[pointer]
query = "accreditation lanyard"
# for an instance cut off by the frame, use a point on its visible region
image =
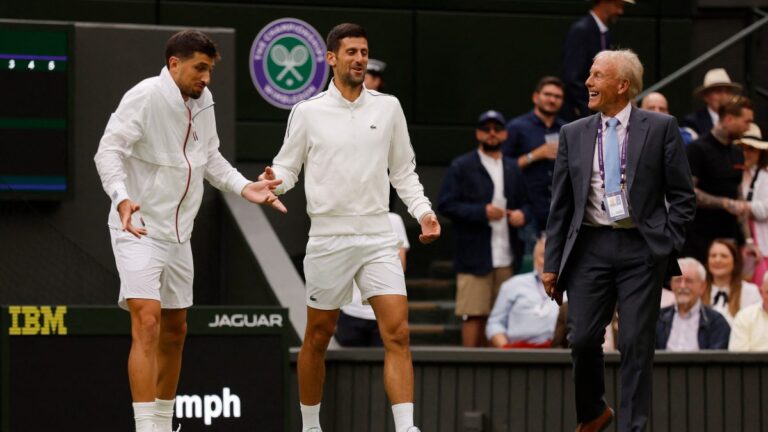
(601, 162)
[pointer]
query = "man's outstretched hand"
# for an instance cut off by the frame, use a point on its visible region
(126, 209)
(550, 286)
(261, 192)
(430, 229)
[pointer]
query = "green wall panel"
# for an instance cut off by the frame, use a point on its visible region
(643, 8)
(259, 140)
(675, 52)
(136, 11)
(469, 63)
(390, 39)
(438, 145)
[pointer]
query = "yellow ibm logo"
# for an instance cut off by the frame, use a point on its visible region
(33, 320)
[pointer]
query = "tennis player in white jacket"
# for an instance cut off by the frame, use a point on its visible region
(347, 138)
(157, 147)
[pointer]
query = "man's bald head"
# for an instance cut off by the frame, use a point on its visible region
(655, 102)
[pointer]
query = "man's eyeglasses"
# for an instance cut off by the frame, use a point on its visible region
(491, 128)
(552, 95)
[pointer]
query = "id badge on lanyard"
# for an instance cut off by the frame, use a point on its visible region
(615, 204)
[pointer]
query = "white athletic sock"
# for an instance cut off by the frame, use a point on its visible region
(143, 413)
(164, 414)
(310, 416)
(403, 413)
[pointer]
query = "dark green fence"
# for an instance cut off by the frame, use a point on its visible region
(532, 390)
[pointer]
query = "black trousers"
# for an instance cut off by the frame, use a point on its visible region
(357, 332)
(609, 267)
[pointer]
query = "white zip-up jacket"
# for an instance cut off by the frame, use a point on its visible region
(156, 150)
(346, 149)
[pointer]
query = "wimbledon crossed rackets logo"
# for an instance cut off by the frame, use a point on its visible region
(288, 62)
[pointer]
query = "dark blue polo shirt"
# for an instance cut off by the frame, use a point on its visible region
(527, 132)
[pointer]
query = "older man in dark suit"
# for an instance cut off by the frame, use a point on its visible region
(612, 237)
(586, 37)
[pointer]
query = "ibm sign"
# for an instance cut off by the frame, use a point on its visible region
(234, 376)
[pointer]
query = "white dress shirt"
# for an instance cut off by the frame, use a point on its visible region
(501, 254)
(595, 215)
(714, 116)
(684, 334)
(601, 25)
(523, 311)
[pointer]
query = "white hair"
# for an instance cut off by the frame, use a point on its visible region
(693, 262)
(628, 67)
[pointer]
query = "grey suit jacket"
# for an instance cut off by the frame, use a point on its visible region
(657, 170)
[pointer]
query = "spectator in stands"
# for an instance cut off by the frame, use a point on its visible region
(754, 187)
(483, 193)
(523, 316)
(750, 328)
(657, 102)
(374, 75)
(716, 91)
(726, 292)
(690, 325)
(586, 37)
(716, 165)
(533, 142)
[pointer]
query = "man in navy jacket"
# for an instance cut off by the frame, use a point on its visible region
(586, 37)
(483, 194)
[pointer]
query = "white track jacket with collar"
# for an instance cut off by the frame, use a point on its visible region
(156, 150)
(351, 152)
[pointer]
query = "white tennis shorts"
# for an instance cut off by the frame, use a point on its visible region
(332, 262)
(153, 269)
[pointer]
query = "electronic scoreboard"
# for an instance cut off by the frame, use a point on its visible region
(35, 112)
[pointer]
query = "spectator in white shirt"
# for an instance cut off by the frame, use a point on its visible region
(750, 328)
(523, 316)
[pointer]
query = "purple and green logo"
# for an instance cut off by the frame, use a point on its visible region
(288, 62)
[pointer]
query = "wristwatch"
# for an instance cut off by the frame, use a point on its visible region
(529, 157)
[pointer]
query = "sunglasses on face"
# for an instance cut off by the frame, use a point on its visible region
(491, 128)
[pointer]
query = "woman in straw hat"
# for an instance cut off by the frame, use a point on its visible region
(754, 188)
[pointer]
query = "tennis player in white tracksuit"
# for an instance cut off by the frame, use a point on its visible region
(157, 147)
(353, 143)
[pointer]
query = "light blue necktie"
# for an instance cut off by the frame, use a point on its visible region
(612, 169)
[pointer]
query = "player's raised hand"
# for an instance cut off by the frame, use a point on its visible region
(430, 229)
(261, 192)
(126, 209)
